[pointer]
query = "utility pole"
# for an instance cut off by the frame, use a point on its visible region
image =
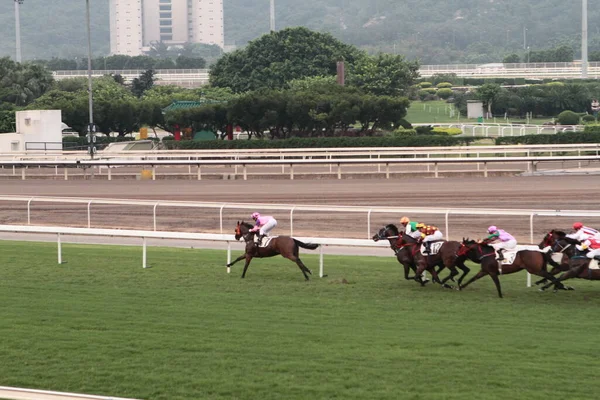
(584, 39)
(91, 126)
(272, 15)
(18, 28)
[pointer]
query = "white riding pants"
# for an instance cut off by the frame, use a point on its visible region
(593, 253)
(509, 245)
(266, 228)
(437, 235)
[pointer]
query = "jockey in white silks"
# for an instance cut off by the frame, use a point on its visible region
(593, 247)
(583, 233)
(264, 225)
(500, 240)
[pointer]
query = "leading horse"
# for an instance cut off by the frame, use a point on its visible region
(286, 246)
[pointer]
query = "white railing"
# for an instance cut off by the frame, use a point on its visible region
(294, 153)
(207, 237)
(35, 394)
(293, 210)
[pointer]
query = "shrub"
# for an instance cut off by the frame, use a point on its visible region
(423, 94)
(404, 123)
(444, 85)
(425, 85)
(587, 119)
(444, 93)
(404, 132)
(592, 128)
(430, 90)
(447, 131)
(591, 136)
(568, 118)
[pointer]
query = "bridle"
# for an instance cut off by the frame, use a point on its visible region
(472, 246)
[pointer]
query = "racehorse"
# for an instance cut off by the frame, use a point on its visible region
(286, 246)
(578, 263)
(403, 254)
(481, 253)
(408, 253)
(552, 240)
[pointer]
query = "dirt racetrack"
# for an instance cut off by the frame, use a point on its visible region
(546, 192)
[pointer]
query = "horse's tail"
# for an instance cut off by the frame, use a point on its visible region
(309, 246)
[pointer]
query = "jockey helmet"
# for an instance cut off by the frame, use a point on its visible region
(404, 220)
(492, 229)
(420, 225)
(255, 215)
(577, 225)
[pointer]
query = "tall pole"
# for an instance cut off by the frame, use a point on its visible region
(272, 15)
(18, 28)
(584, 40)
(90, 93)
(524, 38)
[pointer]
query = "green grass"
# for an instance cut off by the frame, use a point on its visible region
(184, 329)
(431, 112)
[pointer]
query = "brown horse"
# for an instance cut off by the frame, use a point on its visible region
(578, 263)
(284, 245)
(552, 239)
(407, 251)
(403, 254)
(482, 253)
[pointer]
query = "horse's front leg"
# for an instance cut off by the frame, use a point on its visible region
(248, 259)
(236, 260)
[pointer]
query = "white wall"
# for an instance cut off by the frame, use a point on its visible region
(36, 130)
(126, 27)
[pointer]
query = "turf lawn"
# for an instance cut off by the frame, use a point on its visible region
(184, 329)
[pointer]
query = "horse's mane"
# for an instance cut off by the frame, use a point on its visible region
(558, 233)
(469, 241)
(393, 228)
(247, 225)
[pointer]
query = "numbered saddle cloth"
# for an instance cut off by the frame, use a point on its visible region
(434, 246)
(510, 255)
(265, 241)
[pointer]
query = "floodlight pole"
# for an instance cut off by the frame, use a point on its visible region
(18, 28)
(272, 15)
(584, 39)
(91, 129)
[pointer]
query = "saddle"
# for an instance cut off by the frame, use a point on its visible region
(435, 247)
(264, 241)
(510, 255)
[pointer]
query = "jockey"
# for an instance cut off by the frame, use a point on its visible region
(410, 228)
(429, 233)
(583, 233)
(503, 240)
(591, 244)
(264, 225)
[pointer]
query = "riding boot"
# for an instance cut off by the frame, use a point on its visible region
(500, 255)
(427, 247)
(259, 239)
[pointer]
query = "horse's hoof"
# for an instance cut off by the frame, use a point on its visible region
(446, 286)
(570, 288)
(541, 289)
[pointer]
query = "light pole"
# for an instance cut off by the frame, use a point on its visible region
(584, 39)
(272, 15)
(91, 128)
(18, 28)
(525, 37)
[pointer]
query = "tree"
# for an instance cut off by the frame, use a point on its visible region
(383, 74)
(279, 57)
(487, 93)
(143, 83)
(512, 59)
(184, 62)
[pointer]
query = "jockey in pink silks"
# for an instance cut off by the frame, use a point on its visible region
(500, 240)
(264, 225)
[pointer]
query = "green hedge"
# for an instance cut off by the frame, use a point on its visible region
(387, 141)
(75, 143)
(559, 138)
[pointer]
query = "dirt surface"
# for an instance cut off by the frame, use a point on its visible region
(545, 192)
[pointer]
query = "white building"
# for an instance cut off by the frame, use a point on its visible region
(35, 130)
(136, 24)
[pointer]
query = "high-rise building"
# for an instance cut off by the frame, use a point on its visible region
(137, 24)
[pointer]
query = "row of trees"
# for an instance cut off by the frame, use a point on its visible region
(309, 108)
(118, 62)
(541, 100)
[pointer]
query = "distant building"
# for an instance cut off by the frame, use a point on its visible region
(136, 24)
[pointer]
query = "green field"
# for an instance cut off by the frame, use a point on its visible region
(437, 111)
(184, 329)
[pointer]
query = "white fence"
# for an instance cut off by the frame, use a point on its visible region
(34, 394)
(144, 235)
(313, 153)
(291, 164)
(292, 210)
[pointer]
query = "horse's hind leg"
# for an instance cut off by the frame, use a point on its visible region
(300, 264)
(479, 275)
(465, 271)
